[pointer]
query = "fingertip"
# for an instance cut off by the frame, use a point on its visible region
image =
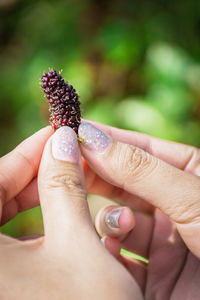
(115, 221)
(126, 220)
(65, 146)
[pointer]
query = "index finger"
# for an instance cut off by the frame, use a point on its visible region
(20, 166)
(179, 155)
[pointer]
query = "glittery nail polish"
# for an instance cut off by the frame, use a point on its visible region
(64, 145)
(93, 138)
(112, 219)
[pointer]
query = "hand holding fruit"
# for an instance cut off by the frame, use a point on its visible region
(139, 171)
(69, 262)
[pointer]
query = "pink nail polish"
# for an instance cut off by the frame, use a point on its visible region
(93, 138)
(64, 145)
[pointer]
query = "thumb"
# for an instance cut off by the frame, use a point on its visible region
(61, 186)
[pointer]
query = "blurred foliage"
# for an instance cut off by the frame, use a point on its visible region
(136, 65)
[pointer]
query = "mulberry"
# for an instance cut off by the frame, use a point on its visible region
(63, 100)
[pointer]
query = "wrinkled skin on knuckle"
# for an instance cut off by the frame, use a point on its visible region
(187, 210)
(70, 180)
(72, 184)
(131, 163)
(193, 163)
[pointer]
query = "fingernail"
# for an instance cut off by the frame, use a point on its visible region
(112, 219)
(103, 239)
(64, 145)
(93, 138)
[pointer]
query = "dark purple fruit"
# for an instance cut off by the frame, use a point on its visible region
(63, 101)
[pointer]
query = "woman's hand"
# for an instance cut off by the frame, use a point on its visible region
(70, 261)
(146, 174)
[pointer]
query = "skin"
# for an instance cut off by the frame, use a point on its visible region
(69, 262)
(164, 227)
(165, 224)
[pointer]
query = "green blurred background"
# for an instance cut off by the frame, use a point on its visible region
(136, 65)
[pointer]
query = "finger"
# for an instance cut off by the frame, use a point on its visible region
(173, 191)
(168, 258)
(113, 245)
(136, 268)
(20, 166)
(62, 188)
(114, 221)
(96, 185)
(30, 237)
(179, 155)
(26, 199)
(134, 236)
(137, 239)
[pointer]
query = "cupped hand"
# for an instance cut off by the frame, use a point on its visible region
(159, 179)
(69, 262)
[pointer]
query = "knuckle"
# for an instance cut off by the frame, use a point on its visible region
(193, 163)
(136, 159)
(70, 183)
(25, 159)
(185, 213)
(136, 163)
